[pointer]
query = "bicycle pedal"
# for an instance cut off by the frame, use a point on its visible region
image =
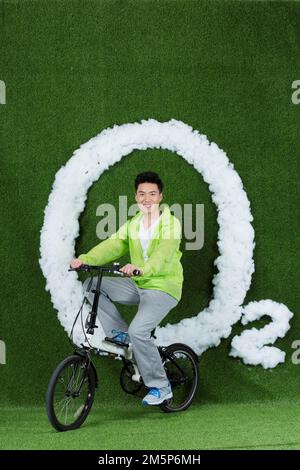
(165, 402)
(118, 343)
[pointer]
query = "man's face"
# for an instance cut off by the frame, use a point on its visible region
(148, 197)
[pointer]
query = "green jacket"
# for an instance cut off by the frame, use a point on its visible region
(162, 270)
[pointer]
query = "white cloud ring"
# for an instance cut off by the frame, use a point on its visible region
(235, 236)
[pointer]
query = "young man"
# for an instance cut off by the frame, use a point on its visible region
(152, 237)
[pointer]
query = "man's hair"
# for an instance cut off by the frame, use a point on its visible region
(149, 177)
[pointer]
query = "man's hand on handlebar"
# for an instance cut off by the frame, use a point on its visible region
(76, 263)
(129, 268)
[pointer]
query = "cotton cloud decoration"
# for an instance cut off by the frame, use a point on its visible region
(235, 240)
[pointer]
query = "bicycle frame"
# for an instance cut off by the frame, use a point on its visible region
(125, 353)
(91, 325)
(122, 352)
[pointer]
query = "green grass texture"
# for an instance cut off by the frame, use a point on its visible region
(263, 426)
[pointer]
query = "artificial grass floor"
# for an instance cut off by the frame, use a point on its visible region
(273, 425)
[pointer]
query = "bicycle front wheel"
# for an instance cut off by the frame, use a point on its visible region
(70, 393)
(181, 367)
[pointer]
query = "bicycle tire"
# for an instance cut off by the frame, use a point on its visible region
(73, 363)
(183, 386)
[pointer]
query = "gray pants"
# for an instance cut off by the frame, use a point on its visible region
(154, 305)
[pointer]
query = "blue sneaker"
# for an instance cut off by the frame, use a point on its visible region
(156, 396)
(121, 336)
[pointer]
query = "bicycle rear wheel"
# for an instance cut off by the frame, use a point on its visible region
(70, 393)
(181, 366)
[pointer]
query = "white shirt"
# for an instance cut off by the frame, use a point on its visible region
(145, 235)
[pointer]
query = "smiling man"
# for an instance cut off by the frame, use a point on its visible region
(152, 237)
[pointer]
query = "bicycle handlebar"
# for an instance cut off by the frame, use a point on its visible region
(110, 269)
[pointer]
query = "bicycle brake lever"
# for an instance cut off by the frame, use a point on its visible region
(83, 267)
(136, 272)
